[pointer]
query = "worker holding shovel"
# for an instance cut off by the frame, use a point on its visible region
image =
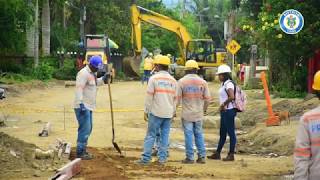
(307, 148)
(160, 107)
(194, 94)
(85, 102)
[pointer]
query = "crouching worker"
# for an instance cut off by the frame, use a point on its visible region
(85, 102)
(307, 149)
(194, 94)
(160, 106)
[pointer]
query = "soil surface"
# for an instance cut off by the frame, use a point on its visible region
(26, 110)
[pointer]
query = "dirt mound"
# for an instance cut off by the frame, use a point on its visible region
(109, 165)
(257, 112)
(296, 108)
(303, 106)
(17, 160)
(264, 141)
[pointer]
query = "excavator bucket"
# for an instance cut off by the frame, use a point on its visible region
(131, 66)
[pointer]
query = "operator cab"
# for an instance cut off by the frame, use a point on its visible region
(201, 50)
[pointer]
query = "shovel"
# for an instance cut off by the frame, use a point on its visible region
(115, 145)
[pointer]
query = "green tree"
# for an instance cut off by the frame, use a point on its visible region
(289, 54)
(14, 15)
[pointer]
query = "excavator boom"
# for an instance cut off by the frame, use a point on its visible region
(139, 15)
(201, 50)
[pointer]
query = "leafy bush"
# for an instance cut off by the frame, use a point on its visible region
(120, 75)
(68, 72)
(43, 72)
(10, 78)
(287, 93)
(10, 66)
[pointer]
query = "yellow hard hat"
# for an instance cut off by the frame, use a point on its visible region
(316, 81)
(163, 60)
(192, 64)
(156, 59)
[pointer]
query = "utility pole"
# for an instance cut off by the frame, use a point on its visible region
(253, 59)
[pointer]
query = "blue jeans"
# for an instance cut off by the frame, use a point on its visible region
(194, 129)
(146, 76)
(85, 128)
(227, 126)
(157, 143)
(155, 125)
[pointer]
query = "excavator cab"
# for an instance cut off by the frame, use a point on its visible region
(201, 50)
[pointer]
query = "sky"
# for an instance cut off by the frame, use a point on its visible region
(170, 3)
(174, 3)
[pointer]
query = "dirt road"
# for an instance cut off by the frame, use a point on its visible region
(26, 112)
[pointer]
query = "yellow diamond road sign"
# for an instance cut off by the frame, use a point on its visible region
(233, 47)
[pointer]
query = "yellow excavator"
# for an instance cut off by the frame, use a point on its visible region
(201, 50)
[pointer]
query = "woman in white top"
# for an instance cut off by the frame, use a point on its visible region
(227, 113)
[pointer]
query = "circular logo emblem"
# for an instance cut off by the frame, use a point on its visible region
(291, 21)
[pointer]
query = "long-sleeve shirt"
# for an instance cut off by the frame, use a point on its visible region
(194, 94)
(86, 88)
(307, 150)
(161, 95)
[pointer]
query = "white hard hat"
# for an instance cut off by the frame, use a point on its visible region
(223, 69)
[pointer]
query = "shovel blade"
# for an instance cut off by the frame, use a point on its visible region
(115, 145)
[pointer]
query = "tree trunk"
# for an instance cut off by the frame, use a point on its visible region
(45, 28)
(30, 35)
(36, 35)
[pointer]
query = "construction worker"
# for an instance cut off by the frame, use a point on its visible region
(153, 71)
(194, 94)
(85, 102)
(307, 148)
(242, 72)
(147, 68)
(160, 107)
(169, 56)
(227, 113)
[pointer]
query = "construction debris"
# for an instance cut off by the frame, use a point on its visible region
(2, 94)
(45, 130)
(68, 84)
(13, 153)
(68, 171)
(273, 155)
(62, 148)
(40, 154)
